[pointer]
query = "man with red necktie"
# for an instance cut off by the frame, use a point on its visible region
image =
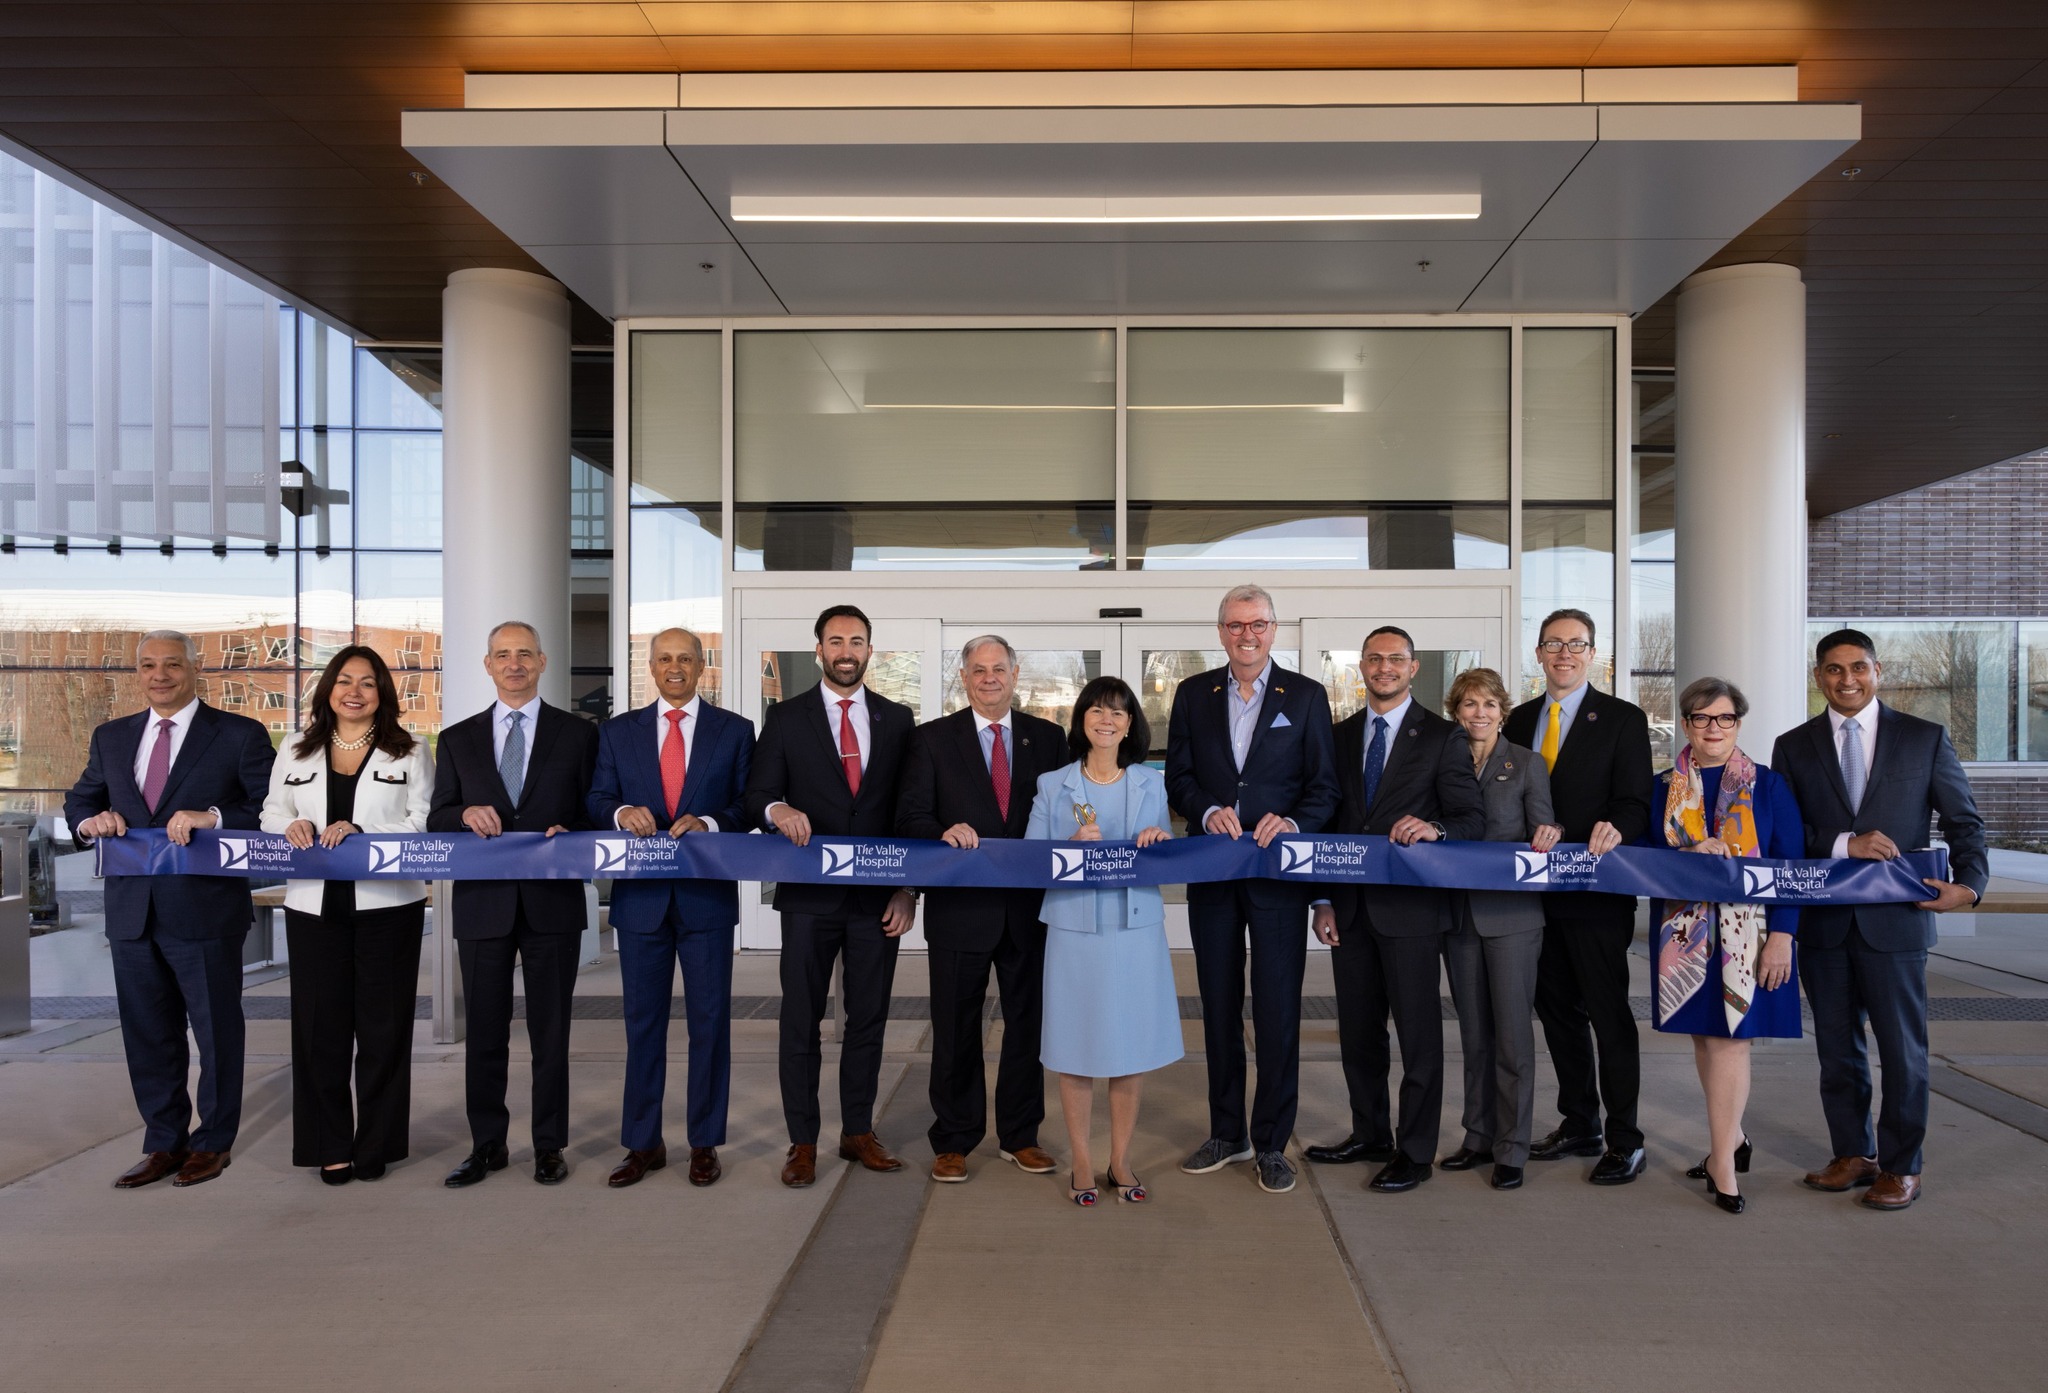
(666, 770)
(827, 763)
(972, 775)
(176, 939)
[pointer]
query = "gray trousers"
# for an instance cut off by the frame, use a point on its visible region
(1493, 984)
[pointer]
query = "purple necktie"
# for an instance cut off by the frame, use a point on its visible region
(159, 772)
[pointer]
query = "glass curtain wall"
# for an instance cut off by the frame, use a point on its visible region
(1653, 554)
(1567, 488)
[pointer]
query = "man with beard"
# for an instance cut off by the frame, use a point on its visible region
(827, 762)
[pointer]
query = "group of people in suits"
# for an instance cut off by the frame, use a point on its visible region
(1083, 975)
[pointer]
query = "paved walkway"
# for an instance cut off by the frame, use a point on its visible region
(267, 1279)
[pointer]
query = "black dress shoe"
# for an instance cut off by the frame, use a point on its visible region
(478, 1164)
(1350, 1152)
(1742, 1155)
(370, 1170)
(1399, 1174)
(337, 1175)
(1560, 1144)
(1505, 1177)
(549, 1168)
(1463, 1159)
(1618, 1167)
(1733, 1204)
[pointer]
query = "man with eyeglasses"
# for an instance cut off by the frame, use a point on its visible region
(1249, 751)
(1597, 748)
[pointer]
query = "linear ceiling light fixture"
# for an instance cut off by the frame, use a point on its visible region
(1377, 207)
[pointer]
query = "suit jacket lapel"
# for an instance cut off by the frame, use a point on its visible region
(1588, 709)
(1023, 787)
(708, 736)
(1269, 707)
(205, 725)
(1888, 737)
(1409, 722)
(127, 744)
(1823, 732)
(969, 737)
(819, 721)
(547, 724)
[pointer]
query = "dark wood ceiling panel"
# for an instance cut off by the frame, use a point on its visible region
(269, 131)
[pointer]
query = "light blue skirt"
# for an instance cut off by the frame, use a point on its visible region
(1110, 1006)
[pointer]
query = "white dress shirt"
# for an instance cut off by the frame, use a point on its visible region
(501, 726)
(1866, 726)
(181, 726)
(693, 711)
(857, 713)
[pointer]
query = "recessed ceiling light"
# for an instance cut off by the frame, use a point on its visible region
(836, 208)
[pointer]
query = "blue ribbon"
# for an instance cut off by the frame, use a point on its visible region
(1319, 860)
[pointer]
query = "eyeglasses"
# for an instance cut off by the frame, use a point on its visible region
(1257, 628)
(1700, 720)
(1564, 645)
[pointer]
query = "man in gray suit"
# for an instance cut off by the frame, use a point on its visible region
(1869, 781)
(1496, 940)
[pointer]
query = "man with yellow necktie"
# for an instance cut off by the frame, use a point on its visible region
(1598, 750)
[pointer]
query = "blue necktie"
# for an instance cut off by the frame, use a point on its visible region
(512, 763)
(1375, 758)
(1854, 774)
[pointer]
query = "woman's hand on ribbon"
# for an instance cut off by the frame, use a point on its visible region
(301, 834)
(1775, 970)
(1153, 836)
(1546, 837)
(1713, 846)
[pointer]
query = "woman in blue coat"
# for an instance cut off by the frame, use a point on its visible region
(1724, 972)
(1110, 1006)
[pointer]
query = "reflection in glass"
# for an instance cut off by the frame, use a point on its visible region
(2033, 675)
(47, 718)
(1318, 447)
(1048, 680)
(398, 502)
(1657, 694)
(897, 674)
(676, 577)
(1435, 669)
(676, 402)
(326, 607)
(1568, 414)
(398, 609)
(1957, 674)
(86, 608)
(328, 460)
(913, 449)
(399, 388)
(1567, 563)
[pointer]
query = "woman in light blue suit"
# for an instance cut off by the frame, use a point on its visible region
(1110, 1006)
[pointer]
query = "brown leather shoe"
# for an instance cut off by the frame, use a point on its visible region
(800, 1171)
(1890, 1191)
(150, 1169)
(704, 1167)
(634, 1168)
(200, 1167)
(1031, 1160)
(1843, 1173)
(949, 1168)
(867, 1149)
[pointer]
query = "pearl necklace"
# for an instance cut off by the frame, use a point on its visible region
(355, 744)
(1093, 780)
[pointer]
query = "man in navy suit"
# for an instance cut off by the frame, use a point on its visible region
(1249, 750)
(176, 939)
(1869, 781)
(675, 767)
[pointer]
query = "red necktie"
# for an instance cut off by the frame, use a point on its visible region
(999, 771)
(674, 760)
(849, 745)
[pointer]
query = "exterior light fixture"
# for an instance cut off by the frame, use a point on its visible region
(805, 208)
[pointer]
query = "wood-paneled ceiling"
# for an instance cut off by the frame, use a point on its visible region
(269, 132)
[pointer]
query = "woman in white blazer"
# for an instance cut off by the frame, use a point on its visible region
(354, 945)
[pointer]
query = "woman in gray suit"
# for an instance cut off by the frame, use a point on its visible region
(1495, 940)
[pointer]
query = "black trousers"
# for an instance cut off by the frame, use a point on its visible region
(959, 1090)
(160, 984)
(354, 983)
(1582, 1000)
(1228, 929)
(1377, 975)
(810, 944)
(548, 963)
(1846, 985)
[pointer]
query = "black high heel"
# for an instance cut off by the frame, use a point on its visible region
(337, 1175)
(1734, 1204)
(1742, 1154)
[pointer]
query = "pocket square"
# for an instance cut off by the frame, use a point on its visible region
(1281, 720)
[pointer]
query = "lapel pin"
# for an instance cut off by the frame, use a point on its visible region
(1218, 687)
(1592, 715)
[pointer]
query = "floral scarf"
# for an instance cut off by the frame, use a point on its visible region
(1687, 936)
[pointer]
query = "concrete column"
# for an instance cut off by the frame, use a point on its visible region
(504, 510)
(504, 476)
(1741, 491)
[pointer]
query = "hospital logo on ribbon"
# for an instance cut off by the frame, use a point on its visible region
(1067, 863)
(838, 860)
(1298, 858)
(385, 856)
(1760, 882)
(1532, 868)
(234, 853)
(608, 854)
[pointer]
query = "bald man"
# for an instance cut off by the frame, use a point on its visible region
(666, 770)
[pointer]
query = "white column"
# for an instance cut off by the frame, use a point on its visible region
(504, 509)
(505, 476)
(1741, 492)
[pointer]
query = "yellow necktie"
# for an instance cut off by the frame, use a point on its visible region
(1549, 750)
